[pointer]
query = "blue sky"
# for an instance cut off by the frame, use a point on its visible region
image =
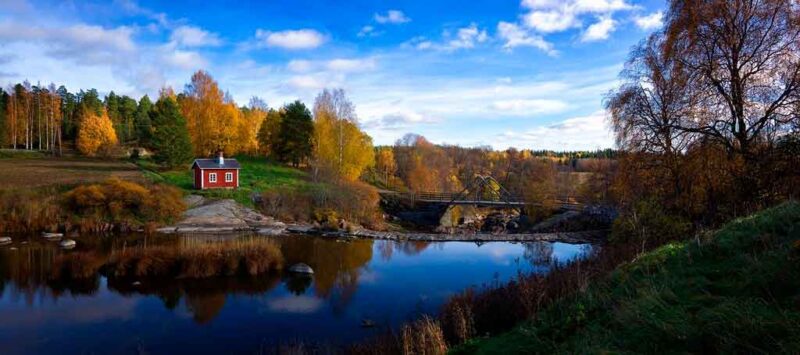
(529, 74)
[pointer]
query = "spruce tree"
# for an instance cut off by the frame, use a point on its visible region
(170, 136)
(142, 123)
(294, 139)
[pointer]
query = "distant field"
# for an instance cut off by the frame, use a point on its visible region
(31, 170)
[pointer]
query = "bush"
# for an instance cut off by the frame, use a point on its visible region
(648, 224)
(352, 201)
(122, 204)
(28, 210)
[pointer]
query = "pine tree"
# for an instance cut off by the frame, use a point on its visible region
(170, 136)
(294, 139)
(144, 129)
(268, 132)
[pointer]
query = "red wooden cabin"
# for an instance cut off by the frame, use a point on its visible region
(219, 173)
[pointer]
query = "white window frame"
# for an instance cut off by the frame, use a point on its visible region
(227, 175)
(212, 177)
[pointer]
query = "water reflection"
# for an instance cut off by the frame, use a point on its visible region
(49, 296)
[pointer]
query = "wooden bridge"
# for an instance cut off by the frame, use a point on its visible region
(484, 191)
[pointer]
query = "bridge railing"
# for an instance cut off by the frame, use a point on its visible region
(448, 197)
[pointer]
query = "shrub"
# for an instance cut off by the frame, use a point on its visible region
(352, 201)
(123, 204)
(648, 224)
(28, 210)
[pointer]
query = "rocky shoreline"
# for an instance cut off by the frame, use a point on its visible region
(229, 217)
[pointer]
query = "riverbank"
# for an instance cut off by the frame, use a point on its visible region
(228, 216)
(729, 291)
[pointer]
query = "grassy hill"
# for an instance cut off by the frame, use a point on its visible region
(733, 291)
(256, 175)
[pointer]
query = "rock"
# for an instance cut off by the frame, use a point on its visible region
(301, 269)
(5, 240)
(193, 201)
(223, 216)
(52, 235)
(67, 244)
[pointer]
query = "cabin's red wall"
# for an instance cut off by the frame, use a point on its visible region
(207, 184)
(197, 178)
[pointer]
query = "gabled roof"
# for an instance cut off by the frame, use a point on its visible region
(214, 164)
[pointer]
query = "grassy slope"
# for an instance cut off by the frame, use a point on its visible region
(256, 175)
(737, 290)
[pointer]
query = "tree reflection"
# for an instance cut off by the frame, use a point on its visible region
(539, 253)
(337, 265)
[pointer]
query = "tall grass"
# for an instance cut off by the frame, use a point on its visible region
(29, 210)
(249, 256)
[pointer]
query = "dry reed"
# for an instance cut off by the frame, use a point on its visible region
(250, 256)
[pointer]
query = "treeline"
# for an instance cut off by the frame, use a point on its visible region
(198, 122)
(708, 116)
(416, 164)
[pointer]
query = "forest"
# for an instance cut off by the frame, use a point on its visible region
(324, 139)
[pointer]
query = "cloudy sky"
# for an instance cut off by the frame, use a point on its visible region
(530, 74)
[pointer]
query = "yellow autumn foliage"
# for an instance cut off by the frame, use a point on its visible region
(340, 147)
(96, 134)
(214, 122)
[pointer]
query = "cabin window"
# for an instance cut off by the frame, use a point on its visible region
(228, 177)
(212, 177)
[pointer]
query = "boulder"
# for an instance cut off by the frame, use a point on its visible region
(301, 269)
(67, 244)
(52, 235)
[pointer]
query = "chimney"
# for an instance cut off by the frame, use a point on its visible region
(220, 158)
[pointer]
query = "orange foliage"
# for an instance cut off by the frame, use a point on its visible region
(96, 134)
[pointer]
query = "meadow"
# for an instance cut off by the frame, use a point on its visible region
(257, 175)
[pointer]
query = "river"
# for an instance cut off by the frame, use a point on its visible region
(355, 281)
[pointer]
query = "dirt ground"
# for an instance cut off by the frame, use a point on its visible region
(40, 172)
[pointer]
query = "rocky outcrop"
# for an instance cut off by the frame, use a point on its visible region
(224, 216)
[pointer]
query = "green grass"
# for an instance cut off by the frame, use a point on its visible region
(733, 291)
(257, 175)
(26, 154)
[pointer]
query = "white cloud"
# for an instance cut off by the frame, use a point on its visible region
(188, 60)
(350, 65)
(306, 82)
(578, 133)
(530, 106)
(551, 21)
(300, 65)
(550, 16)
(401, 119)
(600, 30)
(466, 37)
(191, 36)
(337, 65)
(86, 44)
(393, 17)
(515, 36)
(367, 31)
(291, 39)
(650, 22)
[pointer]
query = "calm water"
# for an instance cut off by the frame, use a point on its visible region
(383, 281)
